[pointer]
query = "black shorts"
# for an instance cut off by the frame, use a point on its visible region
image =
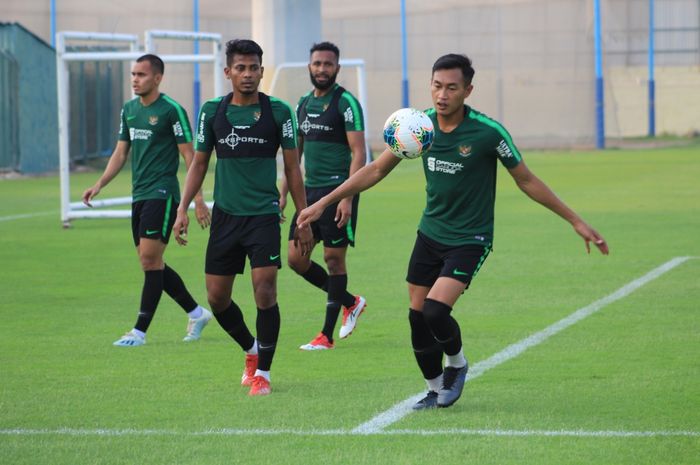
(232, 238)
(431, 259)
(153, 219)
(326, 228)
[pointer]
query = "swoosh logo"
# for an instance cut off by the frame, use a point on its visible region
(151, 231)
(274, 257)
(129, 118)
(336, 241)
(459, 273)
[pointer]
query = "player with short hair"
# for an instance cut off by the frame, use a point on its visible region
(156, 130)
(455, 233)
(332, 142)
(246, 127)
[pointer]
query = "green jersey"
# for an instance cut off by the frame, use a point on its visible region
(246, 139)
(323, 124)
(154, 132)
(460, 174)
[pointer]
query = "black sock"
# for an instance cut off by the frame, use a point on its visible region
(337, 285)
(175, 288)
(150, 296)
(317, 276)
(427, 351)
(232, 321)
(268, 327)
(443, 326)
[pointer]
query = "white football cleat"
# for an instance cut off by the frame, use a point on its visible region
(350, 316)
(130, 339)
(196, 325)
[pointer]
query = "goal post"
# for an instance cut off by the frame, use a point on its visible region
(291, 80)
(74, 210)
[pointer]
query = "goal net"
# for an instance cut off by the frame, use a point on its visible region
(74, 210)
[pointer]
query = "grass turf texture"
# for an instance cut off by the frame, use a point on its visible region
(633, 366)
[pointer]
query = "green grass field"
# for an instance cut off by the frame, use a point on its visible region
(618, 387)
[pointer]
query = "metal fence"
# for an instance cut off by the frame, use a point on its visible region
(9, 112)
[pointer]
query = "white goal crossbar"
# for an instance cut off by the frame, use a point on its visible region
(73, 210)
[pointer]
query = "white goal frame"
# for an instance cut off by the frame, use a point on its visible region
(74, 210)
(358, 65)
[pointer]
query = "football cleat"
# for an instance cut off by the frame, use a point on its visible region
(196, 325)
(350, 316)
(320, 342)
(427, 402)
(260, 386)
(130, 339)
(453, 380)
(251, 364)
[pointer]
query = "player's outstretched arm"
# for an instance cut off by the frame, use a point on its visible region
(541, 193)
(361, 180)
(356, 141)
(114, 166)
(193, 184)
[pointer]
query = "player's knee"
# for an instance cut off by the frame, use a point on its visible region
(265, 294)
(335, 266)
(218, 299)
(298, 264)
(435, 312)
(150, 262)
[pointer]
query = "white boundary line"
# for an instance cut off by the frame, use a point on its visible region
(339, 432)
(26, 215)
(403, 408)
(376, 425)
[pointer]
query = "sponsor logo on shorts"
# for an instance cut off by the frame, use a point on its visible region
(274, 257)
(459, 273)
(150, 232)
(337, 241)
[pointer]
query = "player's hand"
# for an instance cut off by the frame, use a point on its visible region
(202, 213)
(283, 205)
(309, 215)
(89, 194)
(343, 213)
(304, 240)
(180, 227)
(591, 235)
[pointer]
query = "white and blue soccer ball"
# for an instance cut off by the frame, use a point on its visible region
(408, 133)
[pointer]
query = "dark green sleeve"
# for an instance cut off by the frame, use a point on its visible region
(286, 121)
(205, 139)
(123, 128)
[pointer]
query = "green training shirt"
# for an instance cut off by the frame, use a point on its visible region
(460, 174)
(154, 131)
(328, 163)
(246, 186)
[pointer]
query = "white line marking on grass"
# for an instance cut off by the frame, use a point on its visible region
(26, 215)
(339, 432)
(403, 408)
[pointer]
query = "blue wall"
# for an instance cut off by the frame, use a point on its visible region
(37, 108)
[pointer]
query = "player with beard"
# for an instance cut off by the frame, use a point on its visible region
(246, 127)
(332, 142)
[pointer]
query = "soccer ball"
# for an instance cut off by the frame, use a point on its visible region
(408, 133)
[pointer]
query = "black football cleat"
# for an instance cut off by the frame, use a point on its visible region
(452, 385)
(427, 402)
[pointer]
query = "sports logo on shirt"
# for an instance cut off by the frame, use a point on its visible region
(288, 129)
(177, 129)
(442, 166)
(256, 115)
(307, 126)
(503, 150)
(153, 120)
(233, 139)
(349, 117)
